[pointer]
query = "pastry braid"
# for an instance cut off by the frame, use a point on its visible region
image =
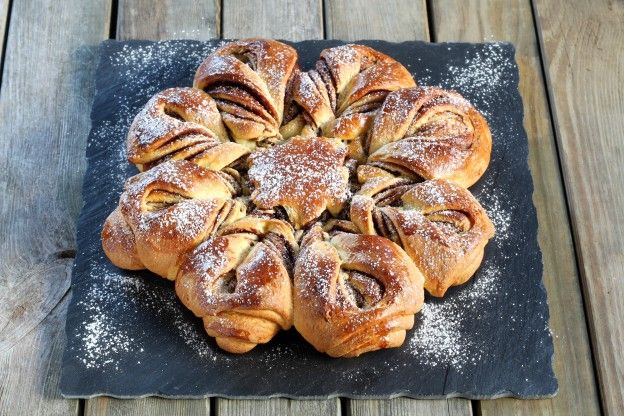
(181, 123)
(354, 293)
(164, 213)
(426, 132)
(341, 94)
(440, 225)
(239, 282)
(248, 80)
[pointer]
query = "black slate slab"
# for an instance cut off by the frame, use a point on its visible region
(128, 336)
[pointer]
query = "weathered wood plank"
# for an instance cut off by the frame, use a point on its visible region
(144, 19)
(292, 20)
(4, 15)
(403, 407)
(149, 406)
(167, 19)
(484, 20)
(582, 50)
(392, 20)
(30, 372)
(45, 90)
(278, 407)
(395, 20)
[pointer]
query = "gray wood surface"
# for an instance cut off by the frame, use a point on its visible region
(407, 407)
(399, 20)
(392, 20)
(4, 14)
(46, 91)
(145, 19)
(481, 20)
(280, 407)
(106, 406)
(167, 19)
(30, 372)
(289, 19)
(584, 64)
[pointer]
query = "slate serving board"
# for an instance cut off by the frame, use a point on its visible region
(128, 336)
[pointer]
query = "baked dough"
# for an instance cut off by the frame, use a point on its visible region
(354, 293)
(440, 225)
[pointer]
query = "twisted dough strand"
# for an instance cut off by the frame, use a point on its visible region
(341, 94)
(354, 293)
(428, 133)
(248, 80)
(181, 123)
(440, 225)
(239, 282)
(165, 212)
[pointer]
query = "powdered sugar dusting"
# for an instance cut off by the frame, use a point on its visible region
(439, 337)
(304, 175)
(141, 64)
(186, 221)
(104, 337)
(481, 75)
(442, 335)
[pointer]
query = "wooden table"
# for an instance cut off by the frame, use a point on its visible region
(571, 59)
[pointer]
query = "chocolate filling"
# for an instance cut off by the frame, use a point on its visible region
(281, 246)
(228, 282)
(174, 114)
(364, 289)
(330, 83)
(160, 199)
(384, 226)
(391, 196)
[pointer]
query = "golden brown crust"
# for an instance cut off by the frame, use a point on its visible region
(239, 282)
(181, 123)
(165, 212)
(426, 132)
(440, 225)
(340, 96)
(305, 176)
(248, 79)
(354, 293)
(119, 244)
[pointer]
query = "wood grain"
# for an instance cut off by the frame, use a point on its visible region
(167, 19)
(281, 407)
(404, 407)
(145, 19)
(4, 15)
(30, 372)
(396, 20)
(149, 406)
(291, 19)
(43, 132)
(482, 20)
(582, 49)
(391, 20)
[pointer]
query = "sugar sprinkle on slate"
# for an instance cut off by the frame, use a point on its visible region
(444, 335)
(438, 337)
